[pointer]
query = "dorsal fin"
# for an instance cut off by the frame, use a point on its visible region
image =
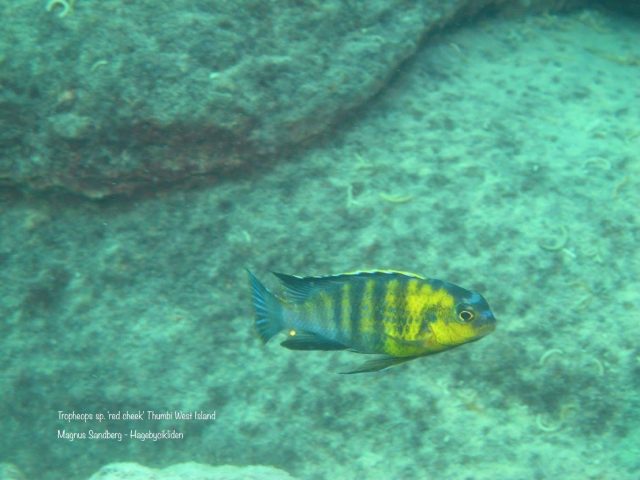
(298, 289)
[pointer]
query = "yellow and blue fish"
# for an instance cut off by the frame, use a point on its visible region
(399, 315)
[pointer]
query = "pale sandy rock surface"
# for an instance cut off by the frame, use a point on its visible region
(188, 471)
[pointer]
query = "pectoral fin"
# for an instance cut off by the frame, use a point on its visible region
(379, 363)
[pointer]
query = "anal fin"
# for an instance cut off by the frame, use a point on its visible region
(311, 341)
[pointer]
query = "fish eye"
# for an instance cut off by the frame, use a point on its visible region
(465, 314)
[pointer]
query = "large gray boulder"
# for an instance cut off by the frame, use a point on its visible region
(108, 97)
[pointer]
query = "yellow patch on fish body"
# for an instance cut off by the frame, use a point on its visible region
(367, 312)
(416, 336)
(400, 315)
(345, 305)
(327, 304)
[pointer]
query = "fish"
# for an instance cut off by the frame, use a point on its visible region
(398, 315)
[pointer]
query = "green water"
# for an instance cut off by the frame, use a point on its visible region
(502, 155)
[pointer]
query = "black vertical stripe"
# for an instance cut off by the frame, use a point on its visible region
(403, 319)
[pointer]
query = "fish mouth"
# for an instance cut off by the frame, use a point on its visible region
(486, 329)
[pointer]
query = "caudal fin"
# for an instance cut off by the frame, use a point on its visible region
(268, 309)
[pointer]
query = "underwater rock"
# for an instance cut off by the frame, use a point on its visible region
(188, 471)
(101, 98)
(623, 6)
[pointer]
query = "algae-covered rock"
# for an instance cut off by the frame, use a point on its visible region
(188, 471)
